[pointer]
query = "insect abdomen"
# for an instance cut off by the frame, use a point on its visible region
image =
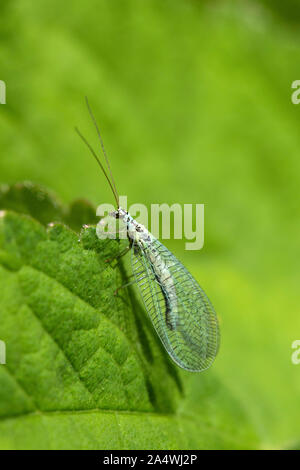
(164, 279)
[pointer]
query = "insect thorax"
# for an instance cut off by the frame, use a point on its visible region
(135, 231)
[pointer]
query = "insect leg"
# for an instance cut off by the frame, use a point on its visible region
(118, 256)
(127, 283)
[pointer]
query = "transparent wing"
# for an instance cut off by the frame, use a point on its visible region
(184, 320)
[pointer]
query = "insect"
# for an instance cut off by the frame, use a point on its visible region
(179, 309)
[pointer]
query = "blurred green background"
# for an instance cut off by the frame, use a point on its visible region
(194, 102)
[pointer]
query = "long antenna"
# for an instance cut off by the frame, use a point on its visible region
(102, 145)
(99, 163)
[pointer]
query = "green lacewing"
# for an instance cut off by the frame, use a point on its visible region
(180, 311)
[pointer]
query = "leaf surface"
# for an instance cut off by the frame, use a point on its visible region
(84, 368)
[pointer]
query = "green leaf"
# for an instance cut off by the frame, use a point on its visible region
(33, 199)
(84, 368)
